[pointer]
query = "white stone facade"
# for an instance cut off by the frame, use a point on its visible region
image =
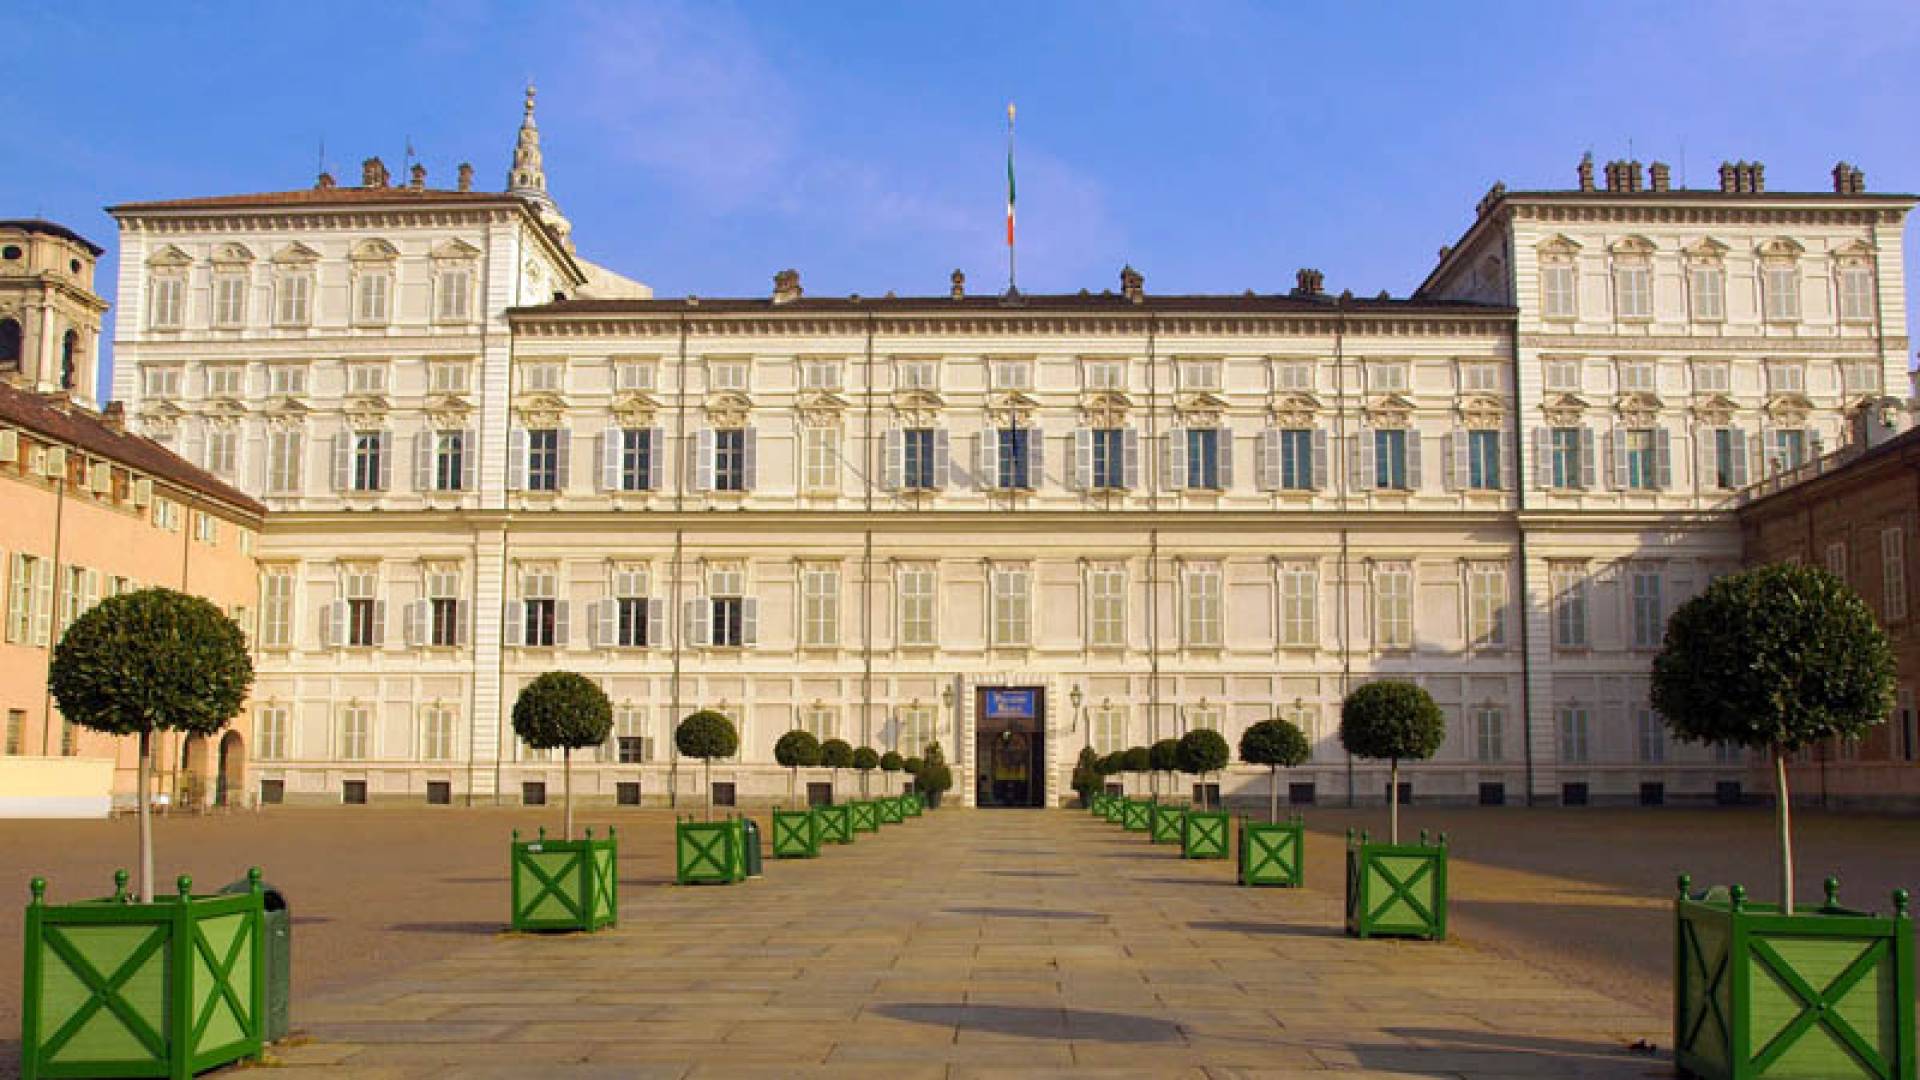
(1481, 488)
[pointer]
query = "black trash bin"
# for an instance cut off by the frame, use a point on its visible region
(276, 956)
(752, 829)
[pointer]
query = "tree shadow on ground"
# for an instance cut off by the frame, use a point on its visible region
(1082, 1025)
(1204, 883)
(1030, 873)
(1135, 855)
(1572, 1055)
(311, 920)
(1049, 914)
(475, 928)
(1018, 851)
(1279, 929)
(501, 880)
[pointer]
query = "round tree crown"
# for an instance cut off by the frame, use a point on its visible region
(149, 660)
(866, 759)
(1164, 755)
(706, 735)
(1777, 658)
(891, 761)
(836, 754)
(1275, 742)
(562, 710)
(1202, 751)
(797, 749)
(1391, 721)
(1136, 759)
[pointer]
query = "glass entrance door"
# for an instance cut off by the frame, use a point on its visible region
(1010, 748)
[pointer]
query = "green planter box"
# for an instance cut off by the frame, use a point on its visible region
(1097, 806)
(1207, 835)
(1111, 807)
(1826, 992)
(565, 884)
(796, 834)
(1273, 852)
(865, 815)
(165, 989)
(911, 803)
(891, 812)
(1137, 816)
(709, 852)
(1167, 824)
(1397, 890)
(836, 824)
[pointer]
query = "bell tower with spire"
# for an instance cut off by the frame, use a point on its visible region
(528, 176)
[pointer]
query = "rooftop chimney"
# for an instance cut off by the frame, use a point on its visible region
(1727, 178)
(959, 289)
(114, 416)
(324, 183)
(1586, 171)
(373, 173)
(1133, 285)
(1743, 178)
(466, 177)
(1623, 176)
(1756, 178)
(417, 177)
(1662, 176)
(786, 287)
(1308, 282)
(1848, 180)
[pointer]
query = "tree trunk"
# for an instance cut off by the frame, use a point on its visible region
(146, 817)
(1393, 802)
(1786, 831)
(706, 780)
(566, 789)
(1273, 793)
(793, 783)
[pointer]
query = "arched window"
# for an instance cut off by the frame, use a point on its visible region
(69, 345)
(9, 345)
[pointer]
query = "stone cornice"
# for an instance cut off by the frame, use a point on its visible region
(1607, 343)
(1000, 324)
(276, 219)
(1665, 212)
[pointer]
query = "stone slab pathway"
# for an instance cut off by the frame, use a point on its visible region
(973, 944)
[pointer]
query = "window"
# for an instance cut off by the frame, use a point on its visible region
(162, 382)
(293, 304)
(79, 590)
(1729, 462)
(1563, 376)
(1393, 606)
(229, 300)
(1390, 460)
(370, 461)
(542, 378)
(436, 733)
(634, 744)
(543, 459)
(730, 459)
(1780, 286)
(223, 451)
(540, 607)
(633, 375)
(370, 288)
(1710, 379)
(286, 380)
(166, 515)
(820, 721)
(918, 453)
(819, 607)
(1292, 375)
(1836, 559)
(1856, 293)
(1637, 376)
(1573, 734)
(1569, 585)
(1789, 449)
(270, 733)
(448, 376)
(1207, 449)
(1650, 736)
(1386, 378)
(366, 378)
(1198, 375)
(361, 611)
(451, 461)
(1204, 717)
(1633, 291)
(1860, 377)
(1487, 605)
(356, 732)
(1105, 375)
(453, 294)
(1483, 460)
(169, 303)
(1783, 378)
(1708, 293)
(730, 624)
(727, 375)
(276, 607)
(446, 613)
(1489, 726)
(1557, 299)
(285, 474)
(206, 527)
(1639, 459)
(916, 584)
(1299, 606)
(1204, 624)
(820, 459)
(1015, 458)
(1012, 375)
(1893, 574)
(1107, 607)
(821, 375)
(630, 613)
(918, 374)
(227, 380)
(916, 730)
(1569, 470)
(1290, 460)
(1012, 606)
(1107, 728)
(1649, 610)
(30, 601)
(1479, 378)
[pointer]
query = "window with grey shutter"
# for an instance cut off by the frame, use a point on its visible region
(516, 459)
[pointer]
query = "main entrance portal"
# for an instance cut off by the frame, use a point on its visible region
(1010, 761)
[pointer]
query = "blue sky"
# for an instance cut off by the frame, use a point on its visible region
(1216, 146)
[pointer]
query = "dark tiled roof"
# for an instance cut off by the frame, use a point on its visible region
(52, 228)
(988, 304)
(321, 197)
(59, 421)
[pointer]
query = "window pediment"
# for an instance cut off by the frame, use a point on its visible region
(917, 401)
(1780, 247)
(1559, 245)
(171, 258)
(375, 250)
(1638, 401)
(455, 250)
(1706, 249)
(1632, 245)
(1856, 251)
(634, 407)
(448, 412)
(1388, 411)
(821, 401)
(1790, 407)
(232, 256)
(287, 407)
(1297, 410)
(1482, 412)
(1200, 401)
(296, 254)
(161, 410)
(540, 410)
(728, 408)
(227, 409)
(367, 407)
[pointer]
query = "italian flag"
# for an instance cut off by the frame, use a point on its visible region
(1009, 174)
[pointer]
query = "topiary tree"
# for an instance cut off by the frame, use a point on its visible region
(1201, 751)
(836, 754)
(1774, 659)
(865, 760)
(914, 765)
(796, 750)
(564, 711)
(1086, 775)
(935, 776)
(707, 735)
(891, 762)
(1277, 744)
(1136, 759)
(1391, 720)
(1163, 757)
(1109, 766)
(146, 661)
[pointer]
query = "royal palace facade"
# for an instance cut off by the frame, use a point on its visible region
(484, 458)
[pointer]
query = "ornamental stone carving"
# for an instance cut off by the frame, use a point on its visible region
(728, 409)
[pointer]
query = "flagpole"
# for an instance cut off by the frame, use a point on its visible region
(1012, 288)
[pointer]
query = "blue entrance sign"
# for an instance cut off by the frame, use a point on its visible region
(1012, 704)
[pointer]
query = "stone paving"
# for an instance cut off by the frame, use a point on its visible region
(973, 944)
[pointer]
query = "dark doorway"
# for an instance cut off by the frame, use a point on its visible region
(1010, 758)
